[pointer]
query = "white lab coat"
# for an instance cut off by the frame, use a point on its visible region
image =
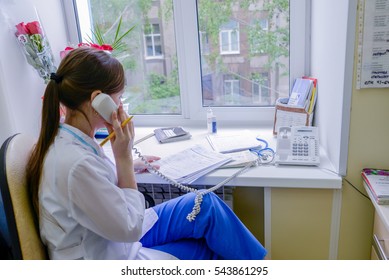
(83, 214)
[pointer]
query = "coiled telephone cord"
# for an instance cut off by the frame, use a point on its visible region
(199, 193)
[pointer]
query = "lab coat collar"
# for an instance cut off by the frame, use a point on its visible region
(68, 131)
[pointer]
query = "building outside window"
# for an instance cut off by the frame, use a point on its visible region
(153, 41)
(261, 90)
(231, 91)
(179, 53)
(229, 38)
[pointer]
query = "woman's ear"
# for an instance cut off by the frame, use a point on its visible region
(94, 94)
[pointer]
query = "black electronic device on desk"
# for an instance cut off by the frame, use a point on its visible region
(171, 134)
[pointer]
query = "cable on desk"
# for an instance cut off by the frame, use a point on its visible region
(354, 187)
(144, 138)
(265, 156)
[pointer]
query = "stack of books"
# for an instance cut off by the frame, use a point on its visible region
(377, 181)
(303, 94)
(298, 108)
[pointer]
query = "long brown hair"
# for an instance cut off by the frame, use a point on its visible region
(81, 72)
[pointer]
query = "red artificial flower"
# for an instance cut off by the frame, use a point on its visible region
(83, 45)
(106, 47)
(34, 28)
(96, 46)
(63, 53)
(21, 29)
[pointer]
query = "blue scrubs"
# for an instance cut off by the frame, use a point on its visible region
(216, 233)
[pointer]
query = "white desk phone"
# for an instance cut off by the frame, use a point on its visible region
(298, 145)
(105, 106)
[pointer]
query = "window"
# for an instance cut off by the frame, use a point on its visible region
(231, 91)
(260, 90)
(184, 56)
(153, 43)
(229, 38)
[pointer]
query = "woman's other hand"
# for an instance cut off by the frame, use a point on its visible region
(140, 166)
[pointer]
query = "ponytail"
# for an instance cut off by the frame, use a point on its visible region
(49, 129)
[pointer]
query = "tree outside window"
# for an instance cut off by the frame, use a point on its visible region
(237, 38)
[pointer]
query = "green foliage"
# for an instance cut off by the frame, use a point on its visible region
(212, 15)
(145, 6)
(117, 44)
(162, 87)
(276, 6)
(273, 43)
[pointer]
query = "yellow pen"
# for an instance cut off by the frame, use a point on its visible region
(112, 134)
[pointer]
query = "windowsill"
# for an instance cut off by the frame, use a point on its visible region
(322, 177)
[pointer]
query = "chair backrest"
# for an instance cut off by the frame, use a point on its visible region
(19, 232)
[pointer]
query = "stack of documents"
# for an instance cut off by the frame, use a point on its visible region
(303, 94)
(187, 166)
(228, 143)
(377, 181)
(240, 159)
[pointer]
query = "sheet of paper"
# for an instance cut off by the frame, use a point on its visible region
(240, 159)
(373, 66)
(193, 163)
(285, 118)
(227, 143)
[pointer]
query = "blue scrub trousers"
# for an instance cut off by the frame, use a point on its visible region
(216, 233)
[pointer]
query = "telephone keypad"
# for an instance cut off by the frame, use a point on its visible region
(303, 147)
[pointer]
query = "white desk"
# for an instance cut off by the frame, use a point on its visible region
(267, 175)
(327, 183)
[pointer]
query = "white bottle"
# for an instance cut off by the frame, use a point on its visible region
(211, 121)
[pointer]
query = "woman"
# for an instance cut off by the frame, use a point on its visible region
(90, 208)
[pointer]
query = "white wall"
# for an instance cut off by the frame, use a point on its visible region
(20, 86)
(333, 33)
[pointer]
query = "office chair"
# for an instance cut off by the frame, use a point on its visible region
(19, 235)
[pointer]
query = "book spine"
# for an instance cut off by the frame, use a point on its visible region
(378, 199)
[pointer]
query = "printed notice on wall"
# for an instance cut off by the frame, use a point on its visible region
(373, 58)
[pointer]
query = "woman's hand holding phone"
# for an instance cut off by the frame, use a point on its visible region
(123, 140)
(122, 144)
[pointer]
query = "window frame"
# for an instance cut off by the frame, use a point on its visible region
(152, 37)
(188, 54)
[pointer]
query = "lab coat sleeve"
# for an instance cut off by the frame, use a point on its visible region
(100, 205)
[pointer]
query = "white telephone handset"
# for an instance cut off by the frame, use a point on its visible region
(105, 106)
(298, 145)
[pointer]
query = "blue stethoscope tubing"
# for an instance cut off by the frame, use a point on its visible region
(263, 152)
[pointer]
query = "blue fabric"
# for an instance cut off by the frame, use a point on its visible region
(216, 233)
